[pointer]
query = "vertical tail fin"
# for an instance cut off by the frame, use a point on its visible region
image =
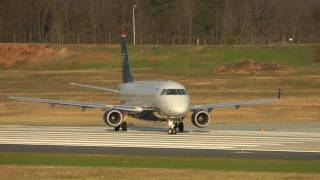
(126, 73)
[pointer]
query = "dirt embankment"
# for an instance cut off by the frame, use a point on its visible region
(17, 55)
(249, 66)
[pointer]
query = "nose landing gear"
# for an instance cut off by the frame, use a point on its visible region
(173, 125)
(172, 131)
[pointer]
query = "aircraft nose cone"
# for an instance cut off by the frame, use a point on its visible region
(179, 110)
(176, 108)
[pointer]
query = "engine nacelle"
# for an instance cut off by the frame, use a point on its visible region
(113, 118)
(201, 119)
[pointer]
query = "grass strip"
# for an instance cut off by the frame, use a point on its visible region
(130, 161)
(166, 57)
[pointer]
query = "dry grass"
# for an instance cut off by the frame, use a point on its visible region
(300, 103)
(63, 172)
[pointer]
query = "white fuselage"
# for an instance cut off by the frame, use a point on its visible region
(153, 94)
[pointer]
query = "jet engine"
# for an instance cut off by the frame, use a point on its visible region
(201, 119)
(113, 118)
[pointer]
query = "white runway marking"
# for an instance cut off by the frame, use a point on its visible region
(102, 137)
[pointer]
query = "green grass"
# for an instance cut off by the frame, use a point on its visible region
(221, 164)
(166, 57)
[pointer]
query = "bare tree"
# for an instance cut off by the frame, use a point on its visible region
(214, 21)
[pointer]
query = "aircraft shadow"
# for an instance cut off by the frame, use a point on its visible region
(156, 129)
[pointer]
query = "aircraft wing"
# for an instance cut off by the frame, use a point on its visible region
(83, 105)
(95, 87)
(237, 105)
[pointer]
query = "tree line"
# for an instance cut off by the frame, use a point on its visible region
(161, 21)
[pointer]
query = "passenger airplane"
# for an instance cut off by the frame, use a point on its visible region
(149, 100)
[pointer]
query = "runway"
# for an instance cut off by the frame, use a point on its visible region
(157, 141)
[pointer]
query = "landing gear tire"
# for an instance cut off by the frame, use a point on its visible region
(124, 126)
(117, 128)
(181, 127)
(172, 131)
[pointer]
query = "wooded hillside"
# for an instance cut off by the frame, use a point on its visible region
(161, 21)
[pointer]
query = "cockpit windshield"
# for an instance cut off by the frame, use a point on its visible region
(173, 92)
(182, 92)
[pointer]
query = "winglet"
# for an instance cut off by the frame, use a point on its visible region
(279, 93)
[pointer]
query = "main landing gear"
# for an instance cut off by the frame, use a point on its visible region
(181, 127)
(123, 126)
(173, 126)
